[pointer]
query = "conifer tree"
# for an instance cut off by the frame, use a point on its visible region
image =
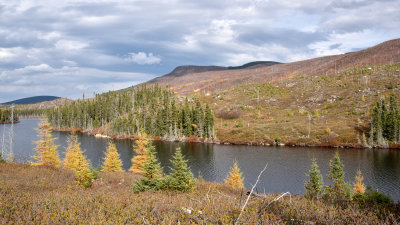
(340, 190)
(112, 160)
(152, 173)
(359, 187)
(1, 158)
(234, 178)
(84, 173)
(181, 178)
(72, 153)
(314, 185)
(139, 160)
(45, 148)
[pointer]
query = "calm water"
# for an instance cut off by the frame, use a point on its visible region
(286, 166)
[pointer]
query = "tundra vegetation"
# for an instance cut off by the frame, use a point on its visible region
(330, 109)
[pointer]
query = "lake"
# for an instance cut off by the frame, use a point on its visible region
(286, 169)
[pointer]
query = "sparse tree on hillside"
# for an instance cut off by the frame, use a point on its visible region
(45, 148)
(112, 160)
(315, 183)
(234, 178)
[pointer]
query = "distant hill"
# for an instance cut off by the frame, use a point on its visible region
(31, 100)
(192, 69)
(187, 80)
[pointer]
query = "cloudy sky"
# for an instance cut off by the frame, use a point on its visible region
(66, 48)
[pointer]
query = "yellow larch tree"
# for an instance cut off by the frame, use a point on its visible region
(234, 177)
(359, 187)
(112, 161)
(139, 160)
(72, 153)
(45, 148)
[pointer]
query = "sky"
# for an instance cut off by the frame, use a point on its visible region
(70, 47)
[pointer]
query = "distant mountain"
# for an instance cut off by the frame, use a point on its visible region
(192, 69)
(187, 80)
(31, 100)
(254, 65)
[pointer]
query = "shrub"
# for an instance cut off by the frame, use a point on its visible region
(372, 196)
(1, 158)
(181, 178)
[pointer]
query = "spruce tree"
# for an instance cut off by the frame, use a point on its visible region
(315, 183)
(340, 190)
(234, 178)
(181, 178)
(152, 177)
(112, 160)
(45, 148)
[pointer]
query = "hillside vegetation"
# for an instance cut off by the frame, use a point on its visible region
(328, 109)
(210, 81)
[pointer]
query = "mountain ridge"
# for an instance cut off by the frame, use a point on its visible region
(31, 100)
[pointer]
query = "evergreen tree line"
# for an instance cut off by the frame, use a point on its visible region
(5, 116)
(150, 110)
(385, 122)
(27, 113)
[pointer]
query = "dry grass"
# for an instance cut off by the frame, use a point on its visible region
(40, 195)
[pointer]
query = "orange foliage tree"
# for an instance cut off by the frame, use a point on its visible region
(45, 148)
(139, 160)
(234, 177)
(359, 187)
(73, 153)
(112, 161)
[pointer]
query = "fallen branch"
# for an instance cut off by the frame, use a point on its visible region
(274, 200)
(251, 192)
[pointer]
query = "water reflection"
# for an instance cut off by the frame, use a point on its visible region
(286, 166)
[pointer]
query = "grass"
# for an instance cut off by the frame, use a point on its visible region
(338, 102)
(43, 195)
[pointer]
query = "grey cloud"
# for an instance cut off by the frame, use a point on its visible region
(98, 36)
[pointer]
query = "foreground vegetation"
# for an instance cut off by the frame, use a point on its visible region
(43, 195)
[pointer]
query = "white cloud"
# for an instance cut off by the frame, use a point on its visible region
(70, 45)
(144, 58)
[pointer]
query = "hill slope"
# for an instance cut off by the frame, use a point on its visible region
(208, 81)
(31, 100)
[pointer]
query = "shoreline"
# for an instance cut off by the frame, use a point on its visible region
(9, 122)
(193, 139)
